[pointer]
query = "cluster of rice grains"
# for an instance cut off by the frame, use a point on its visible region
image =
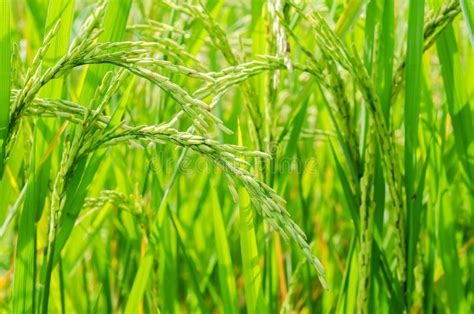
(94, 131)
(88, 129)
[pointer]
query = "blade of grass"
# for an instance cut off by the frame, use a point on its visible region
(448, 249)
(467, 7)
(188, 261)
(371, 37)
(342, 300)
(296, 124)
(383, 73)
(256, 11)
(114, 24)
(457, 101)
(139, 284)
(35, 21)
(249, 252)
(413, 81)
(414, 228)
(58, 10)
(349, 16)
(5, 76)
(462, 123)
(23, 294)
(224, 260)
(387, 44)
(25, 261)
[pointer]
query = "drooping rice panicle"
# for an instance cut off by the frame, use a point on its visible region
(275, 8)
(220, 40)
(434, 25)
(126, 125)
(264, 198)
(334, 47)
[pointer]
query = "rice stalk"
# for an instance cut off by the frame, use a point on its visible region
(367, 208)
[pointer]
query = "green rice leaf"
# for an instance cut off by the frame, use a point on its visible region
(224, 260)
(467, 7)
(349, 16)
(457, 101)
(413, 83)
(249, 254)
(5, 76)
(114, 24)
(139, 284)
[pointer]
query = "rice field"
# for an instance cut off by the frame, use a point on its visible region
(223, 156)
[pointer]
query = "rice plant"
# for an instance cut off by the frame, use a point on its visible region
(227, 156)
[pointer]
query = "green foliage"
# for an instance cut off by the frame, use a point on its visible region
(5, 76)
(226, 156)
